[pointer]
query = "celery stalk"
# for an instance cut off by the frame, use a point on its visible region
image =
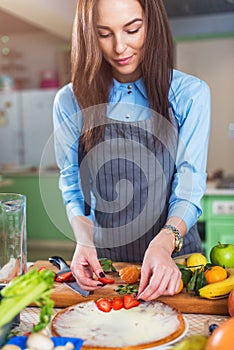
(33, 287)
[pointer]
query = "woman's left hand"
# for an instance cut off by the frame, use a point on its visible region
(159, 273)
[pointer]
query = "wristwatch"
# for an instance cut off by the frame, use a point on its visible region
(178, 238)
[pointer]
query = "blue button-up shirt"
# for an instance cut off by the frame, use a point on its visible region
(189, 99)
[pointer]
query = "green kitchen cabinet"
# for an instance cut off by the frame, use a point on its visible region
(48, 229)
(46, 216)
(218, 218)
(219, 232)
(203, 215)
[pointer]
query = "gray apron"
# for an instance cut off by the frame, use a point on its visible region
(130, 173)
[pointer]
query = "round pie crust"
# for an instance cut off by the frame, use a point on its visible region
(153, 314)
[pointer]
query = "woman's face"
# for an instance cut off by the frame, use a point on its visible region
(121, 32)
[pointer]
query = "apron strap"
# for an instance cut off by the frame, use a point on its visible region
(84, 178)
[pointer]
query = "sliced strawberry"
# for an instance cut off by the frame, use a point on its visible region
(130, 301)
(105, 280)
(104, 304)
(117, 303)
(64, 277)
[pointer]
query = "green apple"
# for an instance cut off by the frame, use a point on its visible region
(222, 255)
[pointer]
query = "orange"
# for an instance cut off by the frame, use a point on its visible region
(130, 274)
(181, 286)
(222, 338)
(215, 274)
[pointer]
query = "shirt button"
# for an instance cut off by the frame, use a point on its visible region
(127, 116)
(129, 92)
(129, 87)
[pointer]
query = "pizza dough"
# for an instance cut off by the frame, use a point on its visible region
(149, 324)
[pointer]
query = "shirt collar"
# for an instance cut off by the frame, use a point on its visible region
(139, 84)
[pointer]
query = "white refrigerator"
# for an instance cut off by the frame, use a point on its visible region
(26, 128)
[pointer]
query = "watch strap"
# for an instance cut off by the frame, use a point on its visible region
(178, 237)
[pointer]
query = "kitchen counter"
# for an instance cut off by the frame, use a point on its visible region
(212, 191)
(217, 188)
(212, 188)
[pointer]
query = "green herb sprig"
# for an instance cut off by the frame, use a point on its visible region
(107, 265)
(126, 289)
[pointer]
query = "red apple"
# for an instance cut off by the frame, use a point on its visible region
(231, 303)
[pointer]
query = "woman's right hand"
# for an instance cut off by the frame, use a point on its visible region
(85, 265)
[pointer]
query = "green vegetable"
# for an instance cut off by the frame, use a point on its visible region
(126, 289)
(107, 265)
(32, 287)
(200, 282)
(196, 280)
(186, 276)
(186, 273)
(192, 283)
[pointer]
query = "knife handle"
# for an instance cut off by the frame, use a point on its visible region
(60, 263)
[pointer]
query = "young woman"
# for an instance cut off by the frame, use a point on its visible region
(131, 139)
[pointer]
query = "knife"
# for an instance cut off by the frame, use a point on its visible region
(65, 271)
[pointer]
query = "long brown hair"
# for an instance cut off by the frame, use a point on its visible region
(92, 75)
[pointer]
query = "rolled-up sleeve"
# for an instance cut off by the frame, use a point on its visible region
(191, 106)
(67, 128)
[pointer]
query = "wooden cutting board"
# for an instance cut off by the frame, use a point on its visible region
(63, 296)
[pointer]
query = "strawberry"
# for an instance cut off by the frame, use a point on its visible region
(117, 303)
(104, 304)
(130, 301)
(65, 277)
(105, 280)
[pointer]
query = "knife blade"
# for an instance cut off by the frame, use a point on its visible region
(64, 268)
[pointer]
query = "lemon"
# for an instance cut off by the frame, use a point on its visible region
(196, 259)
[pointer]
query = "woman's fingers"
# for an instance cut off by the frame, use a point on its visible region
(85, 266)
(162, 282)
(84, 277)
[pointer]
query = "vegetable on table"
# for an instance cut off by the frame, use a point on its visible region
(40, 341)
(33, 287)
(126, 289)
(193, 280)
(107, 265)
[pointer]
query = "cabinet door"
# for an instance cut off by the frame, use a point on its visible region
(37, 107)
(219, 232)
(10, 129)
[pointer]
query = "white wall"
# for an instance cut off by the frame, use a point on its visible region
(55, 16)
(213, 61)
